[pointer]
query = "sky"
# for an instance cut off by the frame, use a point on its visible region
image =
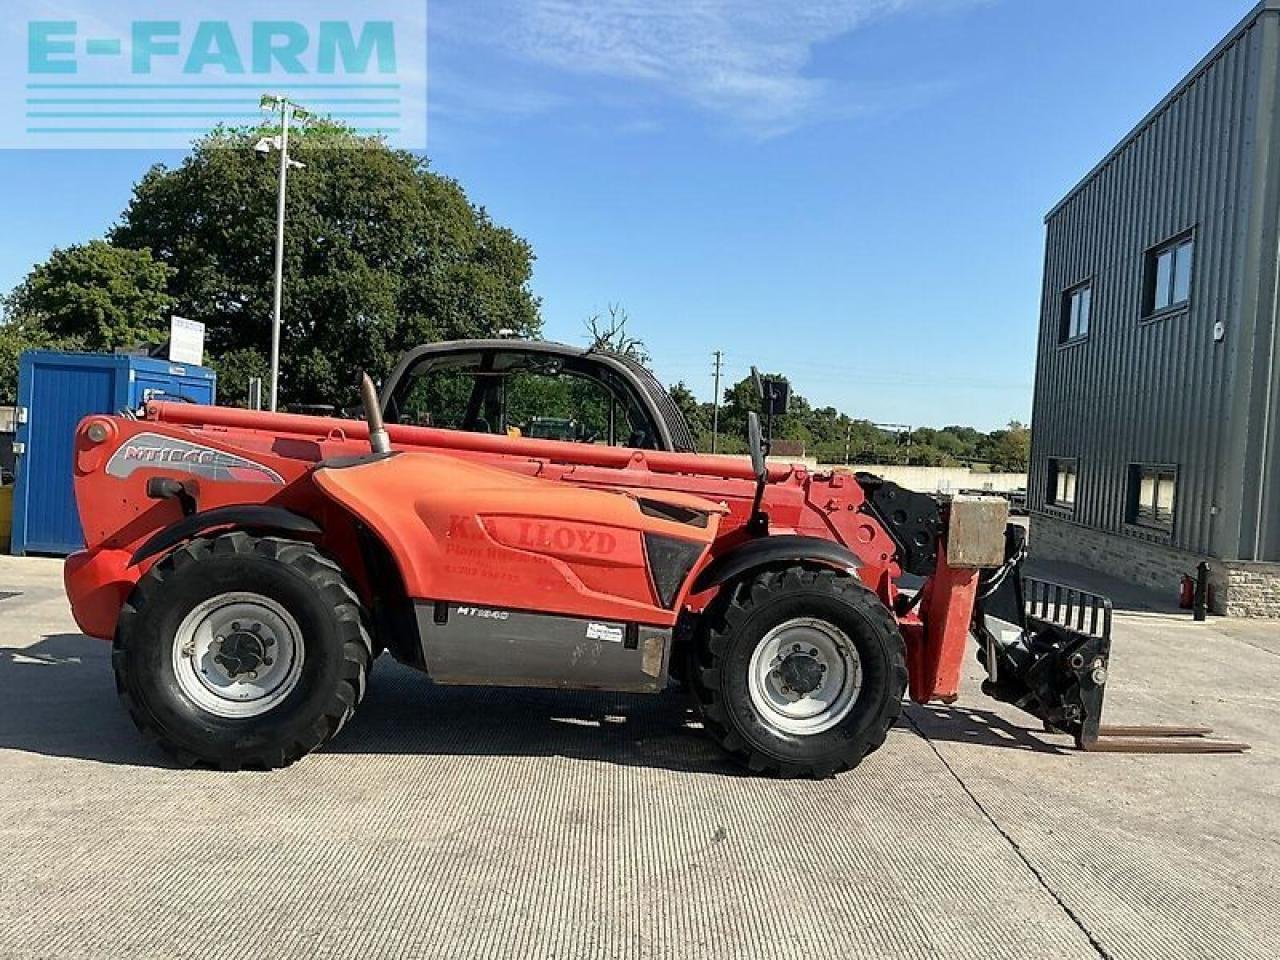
(848, 192)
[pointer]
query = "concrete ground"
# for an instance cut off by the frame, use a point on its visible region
(476, 823)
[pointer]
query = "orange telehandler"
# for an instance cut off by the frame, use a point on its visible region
(249, 566)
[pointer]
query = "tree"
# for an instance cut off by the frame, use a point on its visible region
(741, 398)
(826, 434)
(1011, 448)
(97, 296)
(235, 369)
(697, 415)
(381, 255)
(16, 336)
(90, 297)
(611, 334)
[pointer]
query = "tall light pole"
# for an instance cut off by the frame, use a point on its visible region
(289, 111)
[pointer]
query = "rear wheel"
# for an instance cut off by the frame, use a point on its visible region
(800, 672)
(241, 651)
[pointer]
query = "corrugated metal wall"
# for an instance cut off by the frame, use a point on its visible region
(1163, 391)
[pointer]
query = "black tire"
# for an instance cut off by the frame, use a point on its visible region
(329, 685)
(741, 620)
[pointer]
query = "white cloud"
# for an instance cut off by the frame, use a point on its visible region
(747, 60)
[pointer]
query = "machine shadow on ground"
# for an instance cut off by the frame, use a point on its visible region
(404, 712)
(58, 699)
(978, 727)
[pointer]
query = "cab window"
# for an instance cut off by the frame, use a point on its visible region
(438, 400)
(522, 396)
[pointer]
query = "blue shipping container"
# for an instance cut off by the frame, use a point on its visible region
(55, 392)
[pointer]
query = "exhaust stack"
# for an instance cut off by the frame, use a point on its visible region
(379, 441)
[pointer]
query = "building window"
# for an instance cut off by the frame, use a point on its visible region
(1077, 305)
(1168, 275)
(1062, 484)
(1151, 496)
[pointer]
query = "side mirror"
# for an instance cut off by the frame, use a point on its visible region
(755, 440)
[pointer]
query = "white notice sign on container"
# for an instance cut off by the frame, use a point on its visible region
(186, 341)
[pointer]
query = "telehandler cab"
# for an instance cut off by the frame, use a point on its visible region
(248, 567)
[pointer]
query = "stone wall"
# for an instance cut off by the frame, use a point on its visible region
(1247, 589)
(1139, 561)
(1238, 588)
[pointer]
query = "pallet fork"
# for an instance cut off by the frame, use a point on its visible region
(1047, 647)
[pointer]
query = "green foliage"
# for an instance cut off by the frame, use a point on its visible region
(438, 400)
(698, 415)
(95, 297)
(559, 406)
(701, 417)
(834, 437)
(235, 368)
(1010, 450)
(16, 336)
(583, 402)
(381, 255)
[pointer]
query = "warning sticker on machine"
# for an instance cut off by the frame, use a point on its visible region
(605, 632)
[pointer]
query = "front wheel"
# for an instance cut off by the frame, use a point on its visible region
(241, 651)
(800, 672)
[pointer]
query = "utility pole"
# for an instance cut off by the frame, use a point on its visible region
(848, 436)
(289, 111)
(715, 409)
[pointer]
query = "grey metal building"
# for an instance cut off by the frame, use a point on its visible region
(1156, 398)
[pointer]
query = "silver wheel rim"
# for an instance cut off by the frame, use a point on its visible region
(805, 676)
(238, 655)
